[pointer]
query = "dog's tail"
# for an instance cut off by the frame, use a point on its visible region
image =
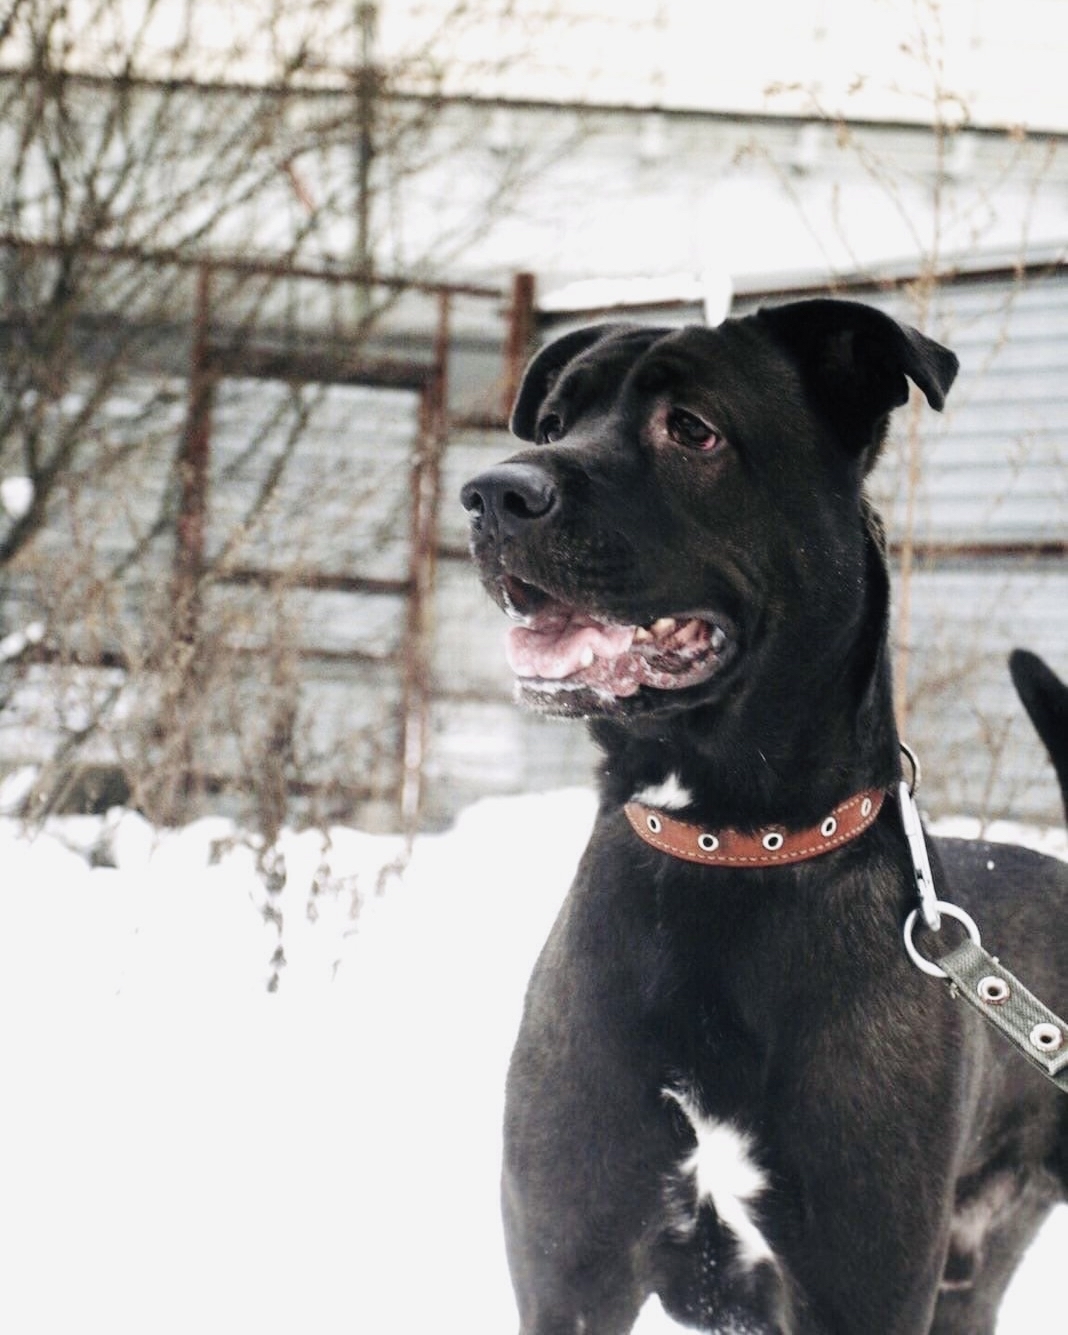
(1045, 697)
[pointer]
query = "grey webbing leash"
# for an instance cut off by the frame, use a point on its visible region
(973, 974)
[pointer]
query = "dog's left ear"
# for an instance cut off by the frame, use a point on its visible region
(855, 361)
(539, 376)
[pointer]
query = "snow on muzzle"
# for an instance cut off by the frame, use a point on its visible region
(573, 650)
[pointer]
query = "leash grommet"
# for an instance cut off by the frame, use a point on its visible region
(773, 841)
(654, 824)
(993, 990)
(707, 843)
(1046, 1038)
(829, 826)
(865, 807)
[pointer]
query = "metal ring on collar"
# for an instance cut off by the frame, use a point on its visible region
(914, 763)
(951, 911)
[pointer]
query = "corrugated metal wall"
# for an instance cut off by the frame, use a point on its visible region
(989, 573)
(327, 558)
(991, 535)
(335, 535)
(308, 515)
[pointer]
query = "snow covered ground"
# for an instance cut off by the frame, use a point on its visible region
(181, 1150)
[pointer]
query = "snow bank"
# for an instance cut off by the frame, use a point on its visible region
(181, 1149)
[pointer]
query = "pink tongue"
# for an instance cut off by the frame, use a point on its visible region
(558, 649)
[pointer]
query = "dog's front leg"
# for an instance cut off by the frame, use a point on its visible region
(577, 1200)
(589, 1143)
(867, 1162)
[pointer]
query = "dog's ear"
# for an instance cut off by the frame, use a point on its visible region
(855, 360)
(540, 374)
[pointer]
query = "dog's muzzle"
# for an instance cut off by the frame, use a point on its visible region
(569, 658)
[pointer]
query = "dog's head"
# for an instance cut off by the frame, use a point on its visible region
(690, 498)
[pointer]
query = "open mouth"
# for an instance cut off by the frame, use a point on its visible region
(559, 648)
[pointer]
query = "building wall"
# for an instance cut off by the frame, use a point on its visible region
(333, 547)
(990, 531)
(699, 206)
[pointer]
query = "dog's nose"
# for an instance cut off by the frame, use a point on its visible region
(509, 495)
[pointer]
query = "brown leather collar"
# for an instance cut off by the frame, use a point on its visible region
(769, 847)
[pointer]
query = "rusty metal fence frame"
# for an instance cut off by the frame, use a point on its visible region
(211, 359)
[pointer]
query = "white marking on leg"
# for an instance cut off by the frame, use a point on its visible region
(667, 796)
(726, 1175)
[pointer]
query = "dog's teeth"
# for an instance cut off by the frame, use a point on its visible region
(642, 636)
(587, 658)
(717, 640)
(663, 627)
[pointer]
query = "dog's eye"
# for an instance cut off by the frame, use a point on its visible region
(686, 428)
(549, 429)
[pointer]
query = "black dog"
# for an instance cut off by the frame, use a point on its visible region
(731, 1087)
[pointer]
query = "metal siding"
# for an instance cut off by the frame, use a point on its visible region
(348, 733)
(995, 470)
(341, 505)
(995, 464)
(319, 621)
(980, 753)
(110, 507)
(45, 704)
(480, 747)
(341, 508)
(468, 648)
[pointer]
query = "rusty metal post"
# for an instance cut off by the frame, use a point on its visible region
(181, 657)
(520, 338)
(193, 473)
(426, 492)
(366, 88)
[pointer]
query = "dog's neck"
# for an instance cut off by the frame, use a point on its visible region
(795, 765)
(809, 728)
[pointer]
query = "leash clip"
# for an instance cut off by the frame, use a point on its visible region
(921, 862)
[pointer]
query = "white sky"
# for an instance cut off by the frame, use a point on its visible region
(997, 62)
(1002, 59)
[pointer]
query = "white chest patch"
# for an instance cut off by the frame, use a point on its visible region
(726, 1175)
(667, 796)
